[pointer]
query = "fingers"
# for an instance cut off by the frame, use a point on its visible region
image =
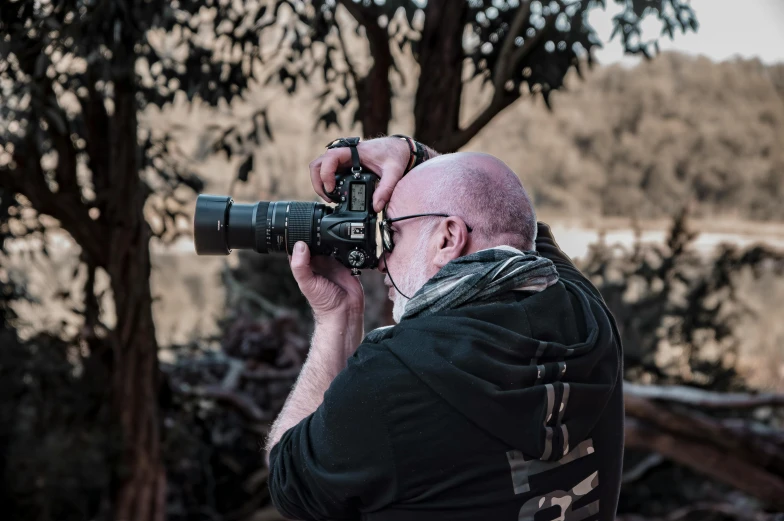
(331, 268)
(323, 168)
(384, 190)
(315, 178)
(326, 284)
(387, 157)
(331, 161)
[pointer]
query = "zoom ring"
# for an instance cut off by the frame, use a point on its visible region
(300, 227)
(261, 226)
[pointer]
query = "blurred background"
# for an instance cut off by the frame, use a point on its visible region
(138, 381)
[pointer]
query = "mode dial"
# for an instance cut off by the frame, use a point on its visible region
(357, 258)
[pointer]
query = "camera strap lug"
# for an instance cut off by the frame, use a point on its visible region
(351, 143)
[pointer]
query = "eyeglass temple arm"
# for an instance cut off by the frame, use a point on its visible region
(396, 219)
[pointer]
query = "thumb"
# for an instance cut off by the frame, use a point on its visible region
(300, 264)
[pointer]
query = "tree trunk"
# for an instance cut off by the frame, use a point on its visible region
(375, 106)
(374, 91)
(375, 101)
(437, 102)
(141, 494)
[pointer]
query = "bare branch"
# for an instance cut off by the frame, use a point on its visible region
(373, 91)
(29, 180)
(96, 124)
(506, 66)
(700, 427)
(653, 460)
(266, 374)
(240, 401)
(701, 398)
(49, 108)
(502, 69)
(500, 101)
(708, 460)
(530, 43)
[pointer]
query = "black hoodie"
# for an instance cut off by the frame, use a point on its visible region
(498, 411)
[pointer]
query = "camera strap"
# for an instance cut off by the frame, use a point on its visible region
(351, 143)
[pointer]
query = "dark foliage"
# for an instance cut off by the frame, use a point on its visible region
(513, 45)
(678, 315)
(75, 77)
(669, 297)
(222, 404)
(57, 449)
(262, 285)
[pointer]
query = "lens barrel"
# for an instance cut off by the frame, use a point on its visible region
(220, 225)
(209, 224)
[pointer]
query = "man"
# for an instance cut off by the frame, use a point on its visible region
(497, 395)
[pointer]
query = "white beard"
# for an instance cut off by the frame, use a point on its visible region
(410, 282)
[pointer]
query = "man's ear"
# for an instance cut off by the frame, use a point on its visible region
(452, 237)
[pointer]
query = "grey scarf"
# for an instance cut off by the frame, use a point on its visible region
(477, 278)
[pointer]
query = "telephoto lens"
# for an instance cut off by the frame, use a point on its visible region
(220, 225)
(347, 231)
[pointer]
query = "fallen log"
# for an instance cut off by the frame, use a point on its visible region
(701, 398)
(694, 511)
(709, 460)
(695, 426)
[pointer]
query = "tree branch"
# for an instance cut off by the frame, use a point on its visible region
(240, 401)
(373, 91)
(266, 374)
(96, 124)
(708, 460)
(29, 180)
(500, 101)
(438, 98)
(701, 398)
(531, 42)
(505, 68)
(654, 459)
(502, 69)
(49, 108)
(706, 430)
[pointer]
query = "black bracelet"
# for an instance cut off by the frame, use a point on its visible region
(422, 154)
(411, 151)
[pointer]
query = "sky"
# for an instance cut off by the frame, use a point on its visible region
(728, 28)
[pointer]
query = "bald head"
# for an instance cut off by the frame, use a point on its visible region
(479, 188)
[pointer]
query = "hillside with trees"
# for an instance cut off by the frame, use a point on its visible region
(644, 141)
(637, 142)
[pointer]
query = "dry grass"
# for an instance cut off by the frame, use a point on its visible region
(762, 352)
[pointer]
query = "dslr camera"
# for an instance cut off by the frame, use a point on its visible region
(347, 231)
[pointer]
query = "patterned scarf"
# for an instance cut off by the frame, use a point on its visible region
(477, 278)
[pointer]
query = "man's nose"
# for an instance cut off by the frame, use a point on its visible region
(382, 263)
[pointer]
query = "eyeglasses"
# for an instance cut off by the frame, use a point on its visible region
(387, 240)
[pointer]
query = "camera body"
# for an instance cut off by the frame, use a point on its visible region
(347, 231)
(350, 230)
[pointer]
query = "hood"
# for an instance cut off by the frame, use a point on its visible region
(535, 371)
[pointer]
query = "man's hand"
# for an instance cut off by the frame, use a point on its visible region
(328, 286)
(338, 307)
(387, 157)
